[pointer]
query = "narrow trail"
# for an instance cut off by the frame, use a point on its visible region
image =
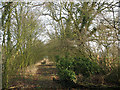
(38, 76)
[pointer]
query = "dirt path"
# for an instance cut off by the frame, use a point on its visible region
(38, 76)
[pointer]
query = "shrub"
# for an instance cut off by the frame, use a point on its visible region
(86, 67)
(69, 68)
(67, 75)
(65, 69)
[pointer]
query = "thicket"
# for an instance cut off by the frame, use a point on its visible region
(70, 67)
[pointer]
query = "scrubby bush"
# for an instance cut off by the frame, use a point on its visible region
(67, 75)
(86, 67)
(65, 68)
(69, 67)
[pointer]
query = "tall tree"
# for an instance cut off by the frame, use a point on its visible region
(77, 21)
(6, 44)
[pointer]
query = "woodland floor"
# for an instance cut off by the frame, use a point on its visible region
(40, 77)
(37, 76)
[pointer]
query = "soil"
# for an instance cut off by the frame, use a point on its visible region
(41, 75)
(37, 76)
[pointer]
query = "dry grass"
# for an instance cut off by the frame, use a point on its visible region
(37, 75)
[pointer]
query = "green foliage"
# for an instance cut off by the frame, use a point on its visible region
(69, 68)
(65, 68)
(67, 75)
(86, 67)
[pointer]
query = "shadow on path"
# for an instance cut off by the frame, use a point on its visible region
(42, 79)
